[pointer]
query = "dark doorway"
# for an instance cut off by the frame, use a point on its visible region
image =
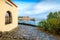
(8, 18)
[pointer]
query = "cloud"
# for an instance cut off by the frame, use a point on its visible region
(28, 9)
(43, 7)
(25, 8)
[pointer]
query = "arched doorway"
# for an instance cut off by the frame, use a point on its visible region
(8, 17)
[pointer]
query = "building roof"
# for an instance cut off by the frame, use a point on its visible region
(12, 3)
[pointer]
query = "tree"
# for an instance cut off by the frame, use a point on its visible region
(50, 15)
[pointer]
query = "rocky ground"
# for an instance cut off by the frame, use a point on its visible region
(25, 32)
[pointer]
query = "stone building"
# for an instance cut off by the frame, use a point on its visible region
(26, 18)
(8, 15)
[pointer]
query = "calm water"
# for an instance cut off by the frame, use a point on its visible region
(30, 22)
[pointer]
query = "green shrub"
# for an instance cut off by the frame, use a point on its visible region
(52, 23)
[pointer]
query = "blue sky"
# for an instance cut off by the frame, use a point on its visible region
(37, 8)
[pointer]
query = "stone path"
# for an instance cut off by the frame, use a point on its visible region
(31, 33)
(25, 32)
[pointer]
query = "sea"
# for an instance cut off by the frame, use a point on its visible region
(30, 22)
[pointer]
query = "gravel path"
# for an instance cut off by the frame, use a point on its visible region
(31, 33)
